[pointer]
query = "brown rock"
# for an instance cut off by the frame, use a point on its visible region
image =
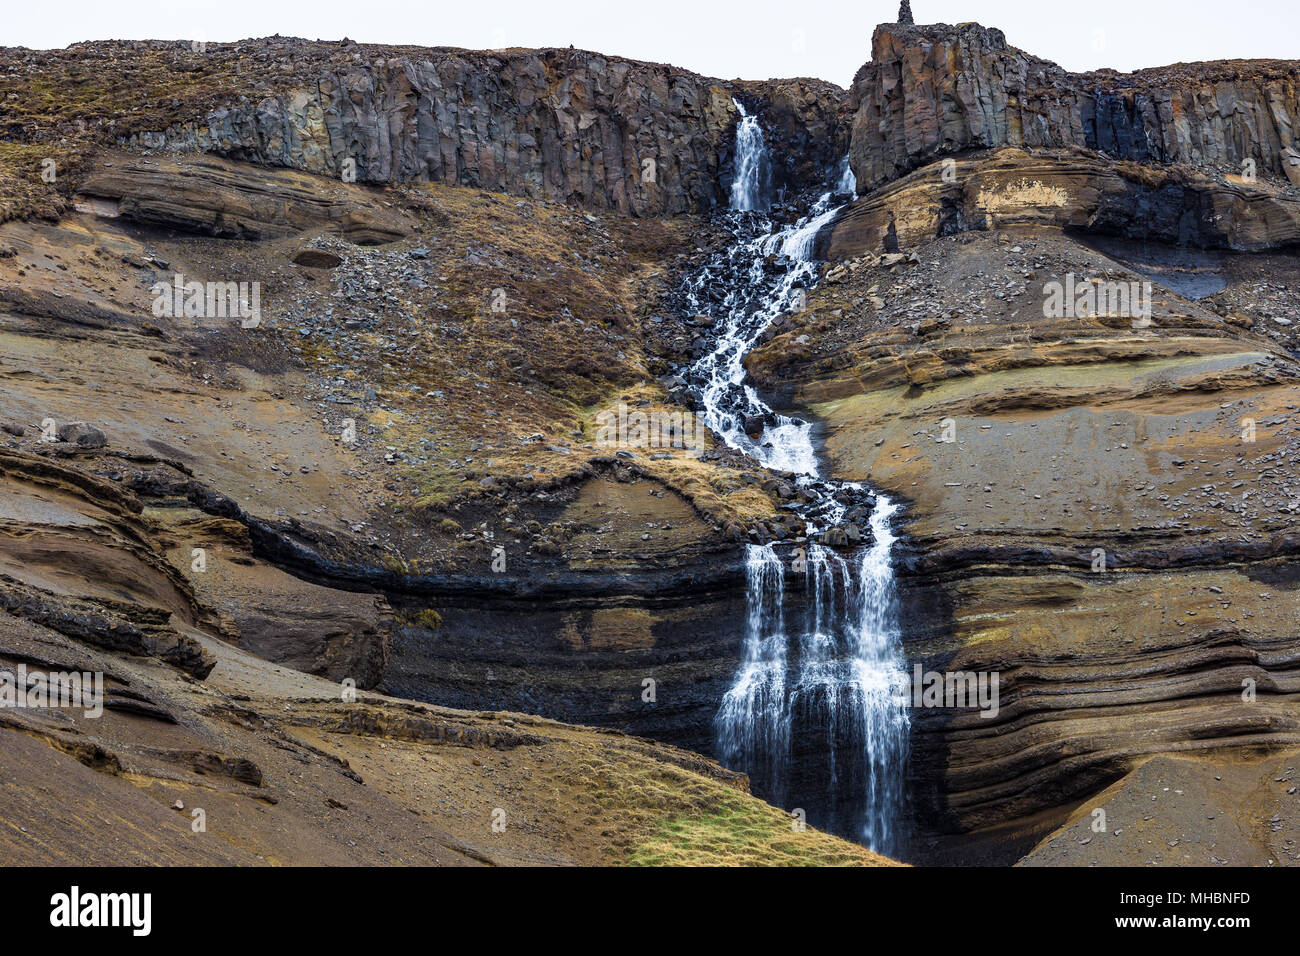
(1013, 187)
(213, 197)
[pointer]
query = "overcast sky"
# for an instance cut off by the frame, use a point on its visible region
(758, 39)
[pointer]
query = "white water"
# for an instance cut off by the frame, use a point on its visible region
(752, 185)
(829, 685)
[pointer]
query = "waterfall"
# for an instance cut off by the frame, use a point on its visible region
(827, 683)
(753, 176)
(753, 721)
(847, 183)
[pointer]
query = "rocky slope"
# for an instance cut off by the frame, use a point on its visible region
(234, 568)
(369, 561)
(261, 765)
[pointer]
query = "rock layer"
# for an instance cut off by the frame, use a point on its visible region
(210, 197)
(1073, 190)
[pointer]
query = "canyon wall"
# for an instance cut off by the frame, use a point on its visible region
(940, 89)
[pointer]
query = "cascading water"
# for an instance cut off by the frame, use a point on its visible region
(753, 176)
(823, 690)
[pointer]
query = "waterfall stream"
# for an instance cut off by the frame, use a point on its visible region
(752, 185)
(818, 706)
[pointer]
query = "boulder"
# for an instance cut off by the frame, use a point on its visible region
(81, 434)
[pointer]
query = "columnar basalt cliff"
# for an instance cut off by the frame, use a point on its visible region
(599, 132)
(939, 89)
(556, 124)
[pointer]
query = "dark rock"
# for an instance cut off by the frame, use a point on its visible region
(79, 433)
(940, 89)
(317, 258)
(566, 125)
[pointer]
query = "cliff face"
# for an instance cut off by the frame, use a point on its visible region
(556, 124)
(937, 89)
(1098, 532)
(567, 125)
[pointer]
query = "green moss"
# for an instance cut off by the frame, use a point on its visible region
(743, 832)
(427, 618)
(395, 563)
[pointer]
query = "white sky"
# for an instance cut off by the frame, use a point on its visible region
(759, 39)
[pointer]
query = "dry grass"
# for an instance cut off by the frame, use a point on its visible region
(652, 813)
(745, 834)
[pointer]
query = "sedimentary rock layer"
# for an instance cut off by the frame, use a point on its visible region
(1108, 527)
(1070, 189)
